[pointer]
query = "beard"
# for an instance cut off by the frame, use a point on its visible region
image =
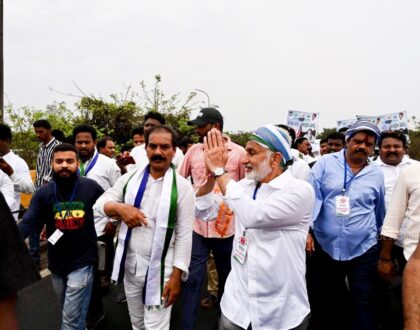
(261, 171)
(65, 180)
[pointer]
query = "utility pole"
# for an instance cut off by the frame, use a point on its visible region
(1, 65)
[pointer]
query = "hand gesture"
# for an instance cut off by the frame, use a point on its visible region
(215, 152)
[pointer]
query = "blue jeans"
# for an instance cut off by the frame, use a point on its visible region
(73, 292)
(201, 247)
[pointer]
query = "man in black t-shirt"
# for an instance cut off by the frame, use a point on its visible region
(66, 205)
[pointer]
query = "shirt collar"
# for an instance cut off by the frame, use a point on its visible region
(278, 182)
(404, 161)
(49, 143)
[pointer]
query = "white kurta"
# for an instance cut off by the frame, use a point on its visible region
(391, 174)
(140, 246)
(21, 178)
(269, 289)
(6, 188)
(405, 204)
(105, 172)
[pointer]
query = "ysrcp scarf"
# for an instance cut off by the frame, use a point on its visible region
(165, 225)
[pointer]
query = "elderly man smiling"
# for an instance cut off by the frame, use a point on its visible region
(266, 286)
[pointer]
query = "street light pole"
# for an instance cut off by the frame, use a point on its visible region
(199, 90)
(1, 65)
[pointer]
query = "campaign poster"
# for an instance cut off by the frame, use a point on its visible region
(389, 122)
(305, 124)
(371, 119)
(394, 121)
(345, 123)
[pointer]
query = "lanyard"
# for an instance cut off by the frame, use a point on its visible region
(137, 203)
(66, 204)
(347, 183)
(254, 196)
(84, 172)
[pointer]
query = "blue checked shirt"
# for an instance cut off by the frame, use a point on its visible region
(347, 237)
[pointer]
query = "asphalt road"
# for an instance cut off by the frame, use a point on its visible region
(38, 309)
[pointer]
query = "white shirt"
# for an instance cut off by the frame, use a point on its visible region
(140, 156)
(269, 289)
(140, 245)
(391, 174)
(300, 169)
(21, 178)
(105, 172)
(8, 191)
(405, 203)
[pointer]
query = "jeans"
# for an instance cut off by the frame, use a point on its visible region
(73, 292)
(201, 246)
(329, 297)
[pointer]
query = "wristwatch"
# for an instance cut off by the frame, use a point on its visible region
(218, 171)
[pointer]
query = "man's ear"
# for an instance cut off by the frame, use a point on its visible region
(276, 159)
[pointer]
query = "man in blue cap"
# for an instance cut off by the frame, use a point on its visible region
(348, 215)
(266, 286)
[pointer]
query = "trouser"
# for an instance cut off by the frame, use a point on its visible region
(201, 246)
(96, 306)
(73, 292)
(328, 300)
(213, 281)
(391, 308)
(34, 247)
(142, 318)
(226, 324)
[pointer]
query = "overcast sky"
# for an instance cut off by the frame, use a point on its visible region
(256, 59)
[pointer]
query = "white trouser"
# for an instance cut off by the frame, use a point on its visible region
(140, 317)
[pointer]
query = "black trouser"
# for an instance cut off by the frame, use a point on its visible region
(391, 308)
(329, 294)
(96, 306)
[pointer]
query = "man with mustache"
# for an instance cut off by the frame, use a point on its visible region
(398, 242)
(156, 206)
(266, 286)
(64, 205)
(348, 215)
(215, 234)
(104, 171)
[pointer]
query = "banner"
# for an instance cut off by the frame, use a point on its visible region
(345, 123)
(305, 124)
(389, 122)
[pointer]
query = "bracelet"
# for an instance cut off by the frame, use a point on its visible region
(385, 259)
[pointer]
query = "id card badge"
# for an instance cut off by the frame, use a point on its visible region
(342, 206)
(55, 236)
(240, 252)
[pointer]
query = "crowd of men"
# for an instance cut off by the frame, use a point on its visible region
(288, 240)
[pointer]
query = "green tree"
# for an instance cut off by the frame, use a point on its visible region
(326, 132)
(240, 137)
(20, 120)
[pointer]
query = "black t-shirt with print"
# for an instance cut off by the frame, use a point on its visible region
(69, 209)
